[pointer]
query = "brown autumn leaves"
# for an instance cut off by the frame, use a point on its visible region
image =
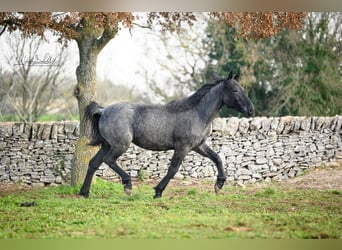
(67, 25)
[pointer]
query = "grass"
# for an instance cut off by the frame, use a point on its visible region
(183, 212)
(42, 118)
(58, 117)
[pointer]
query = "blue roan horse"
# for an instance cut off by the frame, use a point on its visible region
(181, 126)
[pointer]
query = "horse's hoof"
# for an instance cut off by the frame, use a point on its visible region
(219, 184)
(85, 195)
(157, 196)
(128, 188)
(217, 189)
(128, 191)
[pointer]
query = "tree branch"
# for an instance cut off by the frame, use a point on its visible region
(108, 33)
(143, 26)
(3, 29)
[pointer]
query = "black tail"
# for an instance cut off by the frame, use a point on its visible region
(92, 114)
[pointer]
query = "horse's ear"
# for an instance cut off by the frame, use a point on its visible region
(237, 76)
(230, 76)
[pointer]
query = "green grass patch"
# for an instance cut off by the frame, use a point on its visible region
(42, 118)
(58, 117)
(183, 212)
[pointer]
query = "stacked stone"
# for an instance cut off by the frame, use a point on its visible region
(252, 150)
(276, 148)
(37, 153)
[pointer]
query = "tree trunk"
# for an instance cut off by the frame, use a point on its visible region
(85, 92)
(90, 39)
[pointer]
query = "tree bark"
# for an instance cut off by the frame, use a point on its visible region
(90, 41)
(85, 91)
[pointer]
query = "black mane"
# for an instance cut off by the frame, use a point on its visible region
(191, 101)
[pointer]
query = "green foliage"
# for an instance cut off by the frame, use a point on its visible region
(183, 212)
(9, 118)
(292, 73)
(141, 175)
(58, 117)
(238, 54)
(42, 118)
(309, 82)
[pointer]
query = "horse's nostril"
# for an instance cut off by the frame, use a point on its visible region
(251, 111)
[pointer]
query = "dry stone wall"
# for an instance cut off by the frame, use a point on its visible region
(37, 153)
(252, 149)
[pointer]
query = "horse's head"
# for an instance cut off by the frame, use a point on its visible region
(234, 96)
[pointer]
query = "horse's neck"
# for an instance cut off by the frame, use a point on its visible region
(210, 104)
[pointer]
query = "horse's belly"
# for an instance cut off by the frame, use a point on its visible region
(153, 139)
(150, 144)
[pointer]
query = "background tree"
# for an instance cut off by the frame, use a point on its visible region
(250, 56)
(92, 31)
(107, 92)
(32, 80)
(181, 57)
(295, 72)
(308, 75)
(232, 41)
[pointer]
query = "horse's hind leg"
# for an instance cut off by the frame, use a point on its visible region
(110, 160)
(94, 164)
(206, 151)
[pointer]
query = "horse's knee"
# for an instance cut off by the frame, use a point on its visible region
(92, 168)
(108, 160)
(172, 171)
(218, 160)
(94, 164)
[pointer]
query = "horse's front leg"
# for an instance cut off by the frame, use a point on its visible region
(206, 151)
(176, 161)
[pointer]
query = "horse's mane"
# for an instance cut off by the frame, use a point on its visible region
(191, 101)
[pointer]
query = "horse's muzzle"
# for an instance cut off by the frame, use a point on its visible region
(248, 110)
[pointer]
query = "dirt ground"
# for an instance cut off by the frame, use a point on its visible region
(323, 178)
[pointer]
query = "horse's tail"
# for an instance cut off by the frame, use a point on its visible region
(92, 113)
